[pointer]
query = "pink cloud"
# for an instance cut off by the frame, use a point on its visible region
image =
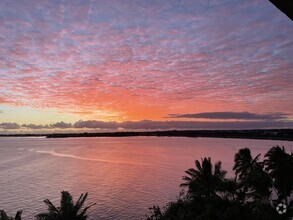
(145, 61)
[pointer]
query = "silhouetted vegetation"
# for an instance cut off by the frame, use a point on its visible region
(273, 134)
(269, 134)
(255, 192)
(67, 209)
(4, 216)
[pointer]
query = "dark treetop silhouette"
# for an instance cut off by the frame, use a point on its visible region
(67, 209)
(4, 216)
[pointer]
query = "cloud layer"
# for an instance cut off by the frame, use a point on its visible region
(92, 125)
(240, 120)
(233, 116)
(139, 59)
(9, 126)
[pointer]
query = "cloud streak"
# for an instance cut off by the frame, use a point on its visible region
(233, 116)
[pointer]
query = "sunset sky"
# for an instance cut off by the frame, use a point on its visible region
(144, 64)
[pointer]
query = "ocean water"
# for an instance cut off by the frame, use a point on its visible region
(124, 176)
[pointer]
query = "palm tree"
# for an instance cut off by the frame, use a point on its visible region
(4, 216)
(67, 210)
(205, 180)
(259, 183)
(244, 163)
(279, 164)
(254, 181)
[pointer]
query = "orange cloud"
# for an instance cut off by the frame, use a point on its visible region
(145, 60)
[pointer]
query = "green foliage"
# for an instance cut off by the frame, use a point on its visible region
(249, 195)
(67, 209)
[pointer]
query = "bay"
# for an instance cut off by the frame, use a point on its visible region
(124, 176)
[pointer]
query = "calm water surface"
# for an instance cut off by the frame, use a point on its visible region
(124, 176)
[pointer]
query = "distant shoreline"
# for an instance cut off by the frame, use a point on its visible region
(265, 134)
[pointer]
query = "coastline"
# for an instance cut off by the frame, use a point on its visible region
(266, 134)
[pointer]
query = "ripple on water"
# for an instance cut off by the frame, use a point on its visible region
(124, 176)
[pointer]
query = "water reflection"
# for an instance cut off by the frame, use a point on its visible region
(123, 175)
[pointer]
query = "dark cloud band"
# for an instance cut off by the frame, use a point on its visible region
(233, 115)
(9, 125)
(152, 125)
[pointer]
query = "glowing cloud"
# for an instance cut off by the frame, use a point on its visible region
(118, 61)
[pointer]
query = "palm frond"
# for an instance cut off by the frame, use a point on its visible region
(85, 210)
(4, 216)
(67, 210)
(51, 207)
(80, 202)
(18, 215)
(198, 166)
(191, 172)
(44, 216)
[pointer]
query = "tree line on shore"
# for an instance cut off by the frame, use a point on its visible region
(259, 190)
(269, 134)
